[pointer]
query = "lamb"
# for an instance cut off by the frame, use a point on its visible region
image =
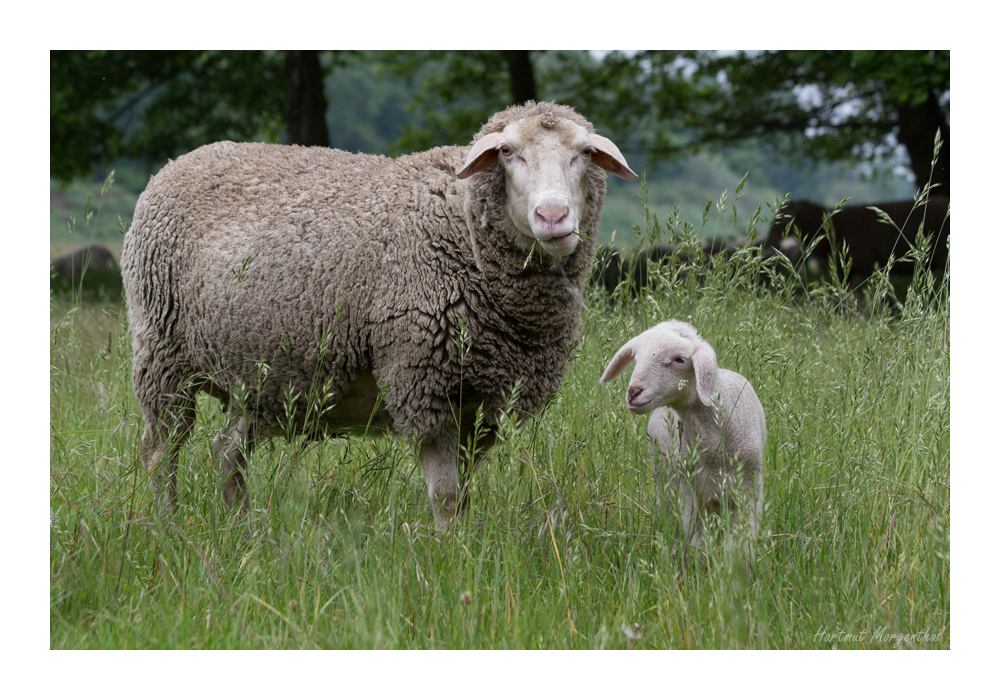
(706, 429)
(869, 240)
(397, 294)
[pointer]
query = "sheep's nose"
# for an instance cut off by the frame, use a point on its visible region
(633, 392)
(550, 215)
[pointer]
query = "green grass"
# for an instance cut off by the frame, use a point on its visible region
(563, 547)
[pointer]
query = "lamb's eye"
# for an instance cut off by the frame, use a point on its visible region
(587, 151)
(505, 150)
(680, 360)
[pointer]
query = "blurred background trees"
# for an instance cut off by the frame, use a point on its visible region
(811, 123)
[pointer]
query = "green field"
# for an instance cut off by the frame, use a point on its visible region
(563, 547)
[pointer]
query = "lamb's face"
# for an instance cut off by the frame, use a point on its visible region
(664, 375)
(673, 367)
(545, 164)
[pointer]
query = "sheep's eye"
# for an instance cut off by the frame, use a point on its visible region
(587, 151)
(680, 360)
(505, 150)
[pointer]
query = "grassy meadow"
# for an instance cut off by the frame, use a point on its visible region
(563, 547)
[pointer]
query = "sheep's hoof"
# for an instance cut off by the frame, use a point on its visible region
(448, 507)
(444, 524)
(446, 513)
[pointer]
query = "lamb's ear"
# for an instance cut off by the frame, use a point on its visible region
(607, 156)
(706, 369)
(619, 362)
(483, 154)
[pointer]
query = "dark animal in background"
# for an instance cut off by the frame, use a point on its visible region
(869, 240)
(614, 266)
(90, 258)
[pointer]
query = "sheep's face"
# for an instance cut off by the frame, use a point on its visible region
(670, 370)
(546, 164)
(546, 182)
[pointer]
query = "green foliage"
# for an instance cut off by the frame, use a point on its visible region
(366, 105)
(154, 105)
(563, 546)
(831, 106)
(848, 98)
(658, 105)
(456, 93)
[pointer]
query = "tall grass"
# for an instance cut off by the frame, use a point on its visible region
(563, 546)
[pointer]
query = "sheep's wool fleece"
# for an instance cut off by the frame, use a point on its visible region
(327, 266)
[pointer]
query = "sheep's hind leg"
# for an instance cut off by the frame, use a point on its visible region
(231, 448)
(473, 446)
(168, 420)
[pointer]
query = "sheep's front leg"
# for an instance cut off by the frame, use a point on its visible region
(440, 462)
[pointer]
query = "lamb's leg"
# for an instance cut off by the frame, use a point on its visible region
(689, 514)
(756, 508)
(754, 511)
(231, 449)
(675, 495)
(440, 462)
(674, 492)
(746, 511)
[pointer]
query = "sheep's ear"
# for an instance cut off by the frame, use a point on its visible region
(619, 362)
(607, 156)
(706, 369)
(483, 154)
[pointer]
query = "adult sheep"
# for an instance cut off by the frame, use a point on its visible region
(401, 293)
(869, 240)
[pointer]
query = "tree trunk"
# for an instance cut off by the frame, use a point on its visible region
(917, 126)
(522, 76)
(305, 102)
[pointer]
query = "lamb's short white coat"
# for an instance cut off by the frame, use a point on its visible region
(706, 429)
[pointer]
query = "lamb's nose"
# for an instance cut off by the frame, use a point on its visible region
(551, 214)
(633, 392)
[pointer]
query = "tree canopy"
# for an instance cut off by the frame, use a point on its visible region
(813, 105)
(154, 105)
(832, 105)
